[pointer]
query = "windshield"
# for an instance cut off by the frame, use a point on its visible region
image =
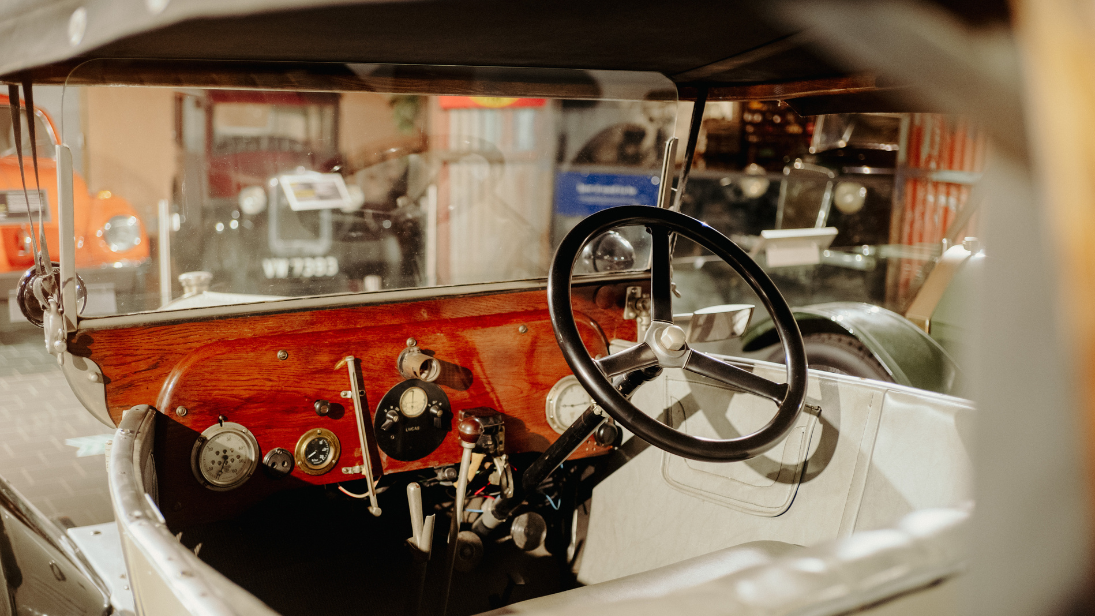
(281, 184)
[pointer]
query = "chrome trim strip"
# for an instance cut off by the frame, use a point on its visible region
(342, 300)
(178, 582)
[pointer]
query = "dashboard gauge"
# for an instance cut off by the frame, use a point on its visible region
(224, 456)
(412, 419)
(566, 402)
(413, 401)
(317, 451)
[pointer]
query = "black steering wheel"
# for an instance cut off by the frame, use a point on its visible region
(665, 345)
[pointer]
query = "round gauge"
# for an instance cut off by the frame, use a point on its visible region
(317, 451)
(412, 402)
(411, 420)
(224, 456)
(566, 402)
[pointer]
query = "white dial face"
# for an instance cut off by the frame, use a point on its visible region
(413, 402)
(227, 459)
(566, 402)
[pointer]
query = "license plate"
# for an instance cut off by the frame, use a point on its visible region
(299, 267)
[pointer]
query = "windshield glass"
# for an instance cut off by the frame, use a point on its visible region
(43, 136)
(257, 183)
(866, 203)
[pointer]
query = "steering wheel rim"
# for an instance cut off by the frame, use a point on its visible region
(662, 336)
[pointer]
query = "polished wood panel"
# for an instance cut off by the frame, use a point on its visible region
(231, 368)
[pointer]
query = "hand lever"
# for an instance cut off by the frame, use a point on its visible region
(358, 395)
(421, 543)
(421, 528)
(469, 430)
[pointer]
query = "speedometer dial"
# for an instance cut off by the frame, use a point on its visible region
(566, 402)
(224, 456)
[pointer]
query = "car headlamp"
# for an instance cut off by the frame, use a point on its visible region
(849, 197)
(252, 200)
(122, 233)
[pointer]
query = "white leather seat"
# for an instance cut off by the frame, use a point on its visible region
(772, 578)
(660, 581)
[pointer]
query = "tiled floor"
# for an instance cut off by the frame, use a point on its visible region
(43, 428)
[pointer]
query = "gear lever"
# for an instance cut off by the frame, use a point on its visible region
(469, 430)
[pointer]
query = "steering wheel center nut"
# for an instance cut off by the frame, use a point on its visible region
(668, 342)
(672, 338)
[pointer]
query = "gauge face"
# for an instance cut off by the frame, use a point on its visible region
(566, 402)
(413, 402)
(225, 456)
(317, 451)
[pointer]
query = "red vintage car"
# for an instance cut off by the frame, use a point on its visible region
(111, 240)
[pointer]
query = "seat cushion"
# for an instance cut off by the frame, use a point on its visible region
(660, 581)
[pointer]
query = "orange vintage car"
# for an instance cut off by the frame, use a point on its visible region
(111, 241)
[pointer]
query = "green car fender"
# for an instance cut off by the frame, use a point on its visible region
(908, 354)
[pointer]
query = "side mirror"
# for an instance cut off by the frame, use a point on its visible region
(718, 323)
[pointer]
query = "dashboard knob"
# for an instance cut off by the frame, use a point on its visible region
(606, 435)
(390, 419)
(322, 407)
(469, 429)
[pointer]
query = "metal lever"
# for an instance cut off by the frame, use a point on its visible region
(358, 395)
(469, 430)
(421, 528)
(421, 543)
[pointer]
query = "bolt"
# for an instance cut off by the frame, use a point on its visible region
(412, 342)
(181, 411)
(672, 338)
(522, 329)
(93, 377)
(283, 355)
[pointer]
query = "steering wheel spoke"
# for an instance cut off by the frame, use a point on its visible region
(661, 295)
(634, 358)
(705, 365)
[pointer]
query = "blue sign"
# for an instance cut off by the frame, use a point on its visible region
(581, 194)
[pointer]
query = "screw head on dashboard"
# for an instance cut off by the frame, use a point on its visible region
(522, 329)
(283, 355)
(181, 411)
(412, 342)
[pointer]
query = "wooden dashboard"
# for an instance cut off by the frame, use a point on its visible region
(266, 372)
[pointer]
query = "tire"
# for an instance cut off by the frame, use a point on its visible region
(840, 354)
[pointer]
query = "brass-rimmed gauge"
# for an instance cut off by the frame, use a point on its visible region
(565, 403)
(317, 451)
(224, 456)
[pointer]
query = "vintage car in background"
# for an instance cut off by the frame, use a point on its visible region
(247, 158)
(500, 430)
(112, 249)
(866, 235)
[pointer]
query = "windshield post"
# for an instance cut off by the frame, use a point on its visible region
(67, 238)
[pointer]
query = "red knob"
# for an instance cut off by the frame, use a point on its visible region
(469, 430)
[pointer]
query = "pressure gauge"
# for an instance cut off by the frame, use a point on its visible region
(224, 456)
(413, 401)
(566, 402)
(317, 451)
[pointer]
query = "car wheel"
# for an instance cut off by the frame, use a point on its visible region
(840, 354)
